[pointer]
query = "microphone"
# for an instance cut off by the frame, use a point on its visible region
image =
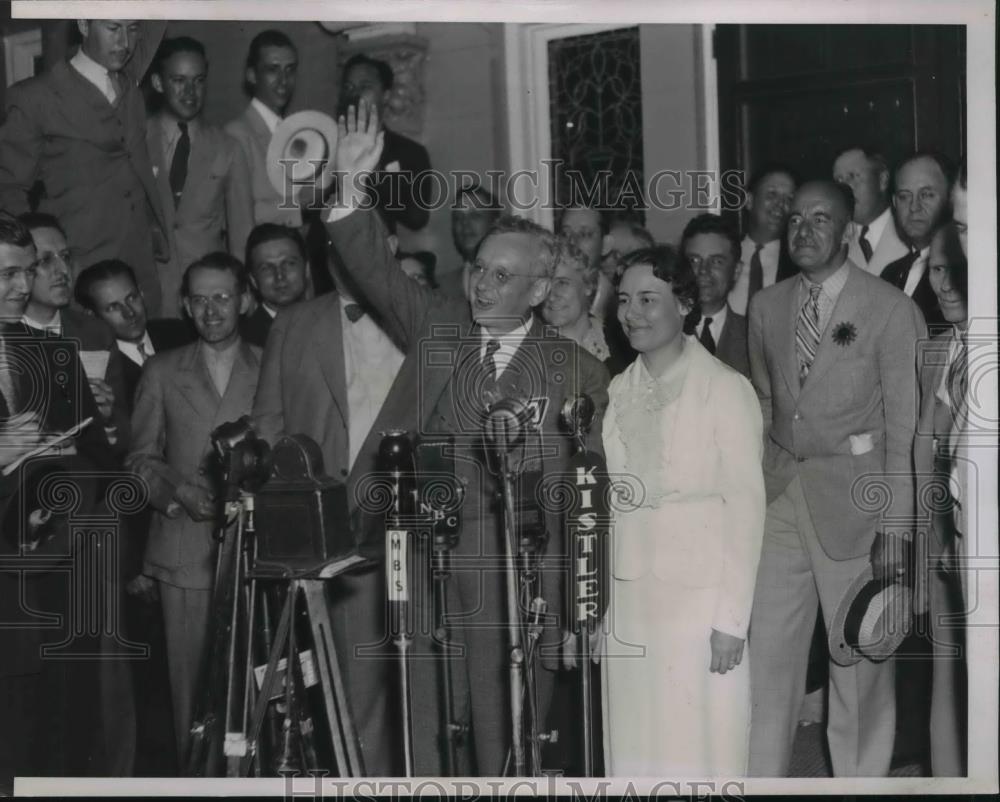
(507, 424)
(395, 457)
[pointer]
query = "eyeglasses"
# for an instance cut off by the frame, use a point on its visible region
(499, 275)
(220, 300)
(51, 259)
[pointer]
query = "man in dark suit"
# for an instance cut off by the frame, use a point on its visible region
(183, 395)
(712, 247)
(398, 190)
(108, 291)
(49, 313)
(832, 357)
(201, 172)
(279, 274)
(462, 357)
(920, 206)
(763, 252)
(80, 130)
(874, 242)
(76, 715)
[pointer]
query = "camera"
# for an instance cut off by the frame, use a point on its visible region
(301, 515)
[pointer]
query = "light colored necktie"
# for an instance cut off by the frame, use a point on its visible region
(807, 331)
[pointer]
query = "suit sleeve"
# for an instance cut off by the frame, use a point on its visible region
(145, 49)
(897, 366)
(758, 364)
(738, 438)
(239, 199)
(115, 378)
(268, 409)
(20, 152)
(147, 458)
(404, 305)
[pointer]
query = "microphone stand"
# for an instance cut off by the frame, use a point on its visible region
(396, 454)
(516, 662)
(507, 427)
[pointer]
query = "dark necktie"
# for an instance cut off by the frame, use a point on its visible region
(706, 338)
(866, 246)
(897, 272)
(489, 360)
(179, 165)
(756, 273)
(143, 353)
(117, 86)
(353, 312)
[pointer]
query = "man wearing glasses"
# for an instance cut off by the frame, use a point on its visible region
(182, 396)
(462, 357)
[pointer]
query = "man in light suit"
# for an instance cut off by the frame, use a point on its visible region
(508, 355)
(183, 395)
(832, 356)
(80, 129)
(330, 372)
(271, 71)
(201, 172)
(873, 240)
(712, 247)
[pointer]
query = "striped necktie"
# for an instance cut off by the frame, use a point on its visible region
(807, 331)
(958, 381)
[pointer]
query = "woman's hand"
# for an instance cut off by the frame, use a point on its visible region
(727, 652)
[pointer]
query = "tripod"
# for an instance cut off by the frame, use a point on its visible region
(231, 711)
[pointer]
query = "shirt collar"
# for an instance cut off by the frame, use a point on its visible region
(271, 120)
(171, 131)
(90, 69)
(512, 337)
(54, 325)
(877, 226)
(767, 247)
(131, 349)
(832, 284)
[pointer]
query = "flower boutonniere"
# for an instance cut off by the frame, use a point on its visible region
(844, 334)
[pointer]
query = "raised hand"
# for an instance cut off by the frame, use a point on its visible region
(359, 143)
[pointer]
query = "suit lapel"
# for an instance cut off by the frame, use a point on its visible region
(154, 142)
(787, 316)
(195, 383)
(199, 165)
(241, 387)
(326, 329)
(849, 308)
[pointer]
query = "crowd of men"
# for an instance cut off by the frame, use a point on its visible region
(189, 292)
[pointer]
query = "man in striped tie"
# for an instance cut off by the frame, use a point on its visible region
(832, 356)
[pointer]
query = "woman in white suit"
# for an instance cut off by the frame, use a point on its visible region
(689, 428)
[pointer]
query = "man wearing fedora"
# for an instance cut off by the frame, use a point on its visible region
(201, 172)
(832, 356)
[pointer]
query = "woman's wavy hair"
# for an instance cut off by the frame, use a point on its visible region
(668, 266)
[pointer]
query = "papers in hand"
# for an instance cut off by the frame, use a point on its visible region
(95, 363)
(52, 444)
